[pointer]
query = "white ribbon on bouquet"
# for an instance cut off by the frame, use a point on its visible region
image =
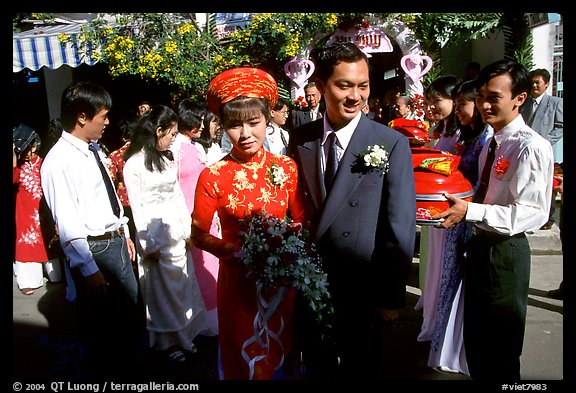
(263, 334)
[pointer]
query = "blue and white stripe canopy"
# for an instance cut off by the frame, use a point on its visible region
(41, 46)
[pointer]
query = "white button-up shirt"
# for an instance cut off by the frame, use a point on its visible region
(76, 195)
(276, 137)
(520, 187)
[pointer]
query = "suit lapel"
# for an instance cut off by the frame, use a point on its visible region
(538, 115)
(310, 156)
(543, 107)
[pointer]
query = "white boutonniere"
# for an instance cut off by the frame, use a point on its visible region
(277, 175)
(375, 158)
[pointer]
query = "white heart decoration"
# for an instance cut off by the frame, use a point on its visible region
(415, 60)
(299, 70)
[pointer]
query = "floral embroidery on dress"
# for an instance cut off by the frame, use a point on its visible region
(215, 168)
(29, 180)
(242, 182)
(31, 236)
(265, 197)
(234, 202)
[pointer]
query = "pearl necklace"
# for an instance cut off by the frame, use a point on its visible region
(251, 166)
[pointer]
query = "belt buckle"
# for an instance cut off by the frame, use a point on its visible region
(118, 232)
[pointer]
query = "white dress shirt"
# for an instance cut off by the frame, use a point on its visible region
(275, 143)
(518, 196)
(77, 197)
(343, 137)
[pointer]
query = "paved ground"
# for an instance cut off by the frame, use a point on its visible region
(45, 344)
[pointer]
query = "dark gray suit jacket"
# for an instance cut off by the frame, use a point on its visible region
(300, 117)
(548, 120)
(365, 228)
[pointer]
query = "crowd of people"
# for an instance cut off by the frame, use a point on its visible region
(149, 235)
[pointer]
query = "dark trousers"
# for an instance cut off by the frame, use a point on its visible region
(108, 328)
(351, 348)
(495, 302)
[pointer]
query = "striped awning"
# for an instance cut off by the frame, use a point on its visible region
(41, 46)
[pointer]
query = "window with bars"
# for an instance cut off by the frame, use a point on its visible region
(558, 88)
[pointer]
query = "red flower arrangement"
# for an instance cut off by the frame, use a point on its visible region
(300, 103)
(417, 105)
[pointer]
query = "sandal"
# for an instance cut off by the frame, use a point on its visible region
(27, 291)
(177, 356)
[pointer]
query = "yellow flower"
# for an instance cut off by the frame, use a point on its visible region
(331, 19)
(171, 46)
(184, 28)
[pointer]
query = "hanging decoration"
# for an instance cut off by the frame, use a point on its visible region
(368, 38)
(298, 70)
(413, 66)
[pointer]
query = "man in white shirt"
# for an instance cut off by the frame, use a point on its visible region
(277, 136)
(93, 232)
(517, 200)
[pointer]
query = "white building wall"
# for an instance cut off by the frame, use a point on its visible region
(543, 37)
(543, 52)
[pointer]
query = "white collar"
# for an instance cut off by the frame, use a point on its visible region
(539, 98)
(345, 133)
(76, 142)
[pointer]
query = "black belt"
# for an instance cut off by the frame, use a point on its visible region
(108, 235)
(494, 235)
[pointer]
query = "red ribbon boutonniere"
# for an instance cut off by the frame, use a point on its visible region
(501, 165)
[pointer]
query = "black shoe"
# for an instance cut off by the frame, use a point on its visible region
(547, 226)
(556, 294)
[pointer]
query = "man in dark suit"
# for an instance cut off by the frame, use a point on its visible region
(364, 221)
(314, 109)
(545, 115)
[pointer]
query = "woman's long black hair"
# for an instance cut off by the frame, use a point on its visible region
(145, 137)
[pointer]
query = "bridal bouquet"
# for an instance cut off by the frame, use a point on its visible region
(279, 254)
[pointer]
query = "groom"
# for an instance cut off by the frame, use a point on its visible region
(364, 226)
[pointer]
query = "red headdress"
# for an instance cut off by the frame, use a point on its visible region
(242, 81)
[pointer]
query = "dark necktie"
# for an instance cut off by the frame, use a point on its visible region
(533, 107)
(109, 187)
(485, 177)
(331, 161)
